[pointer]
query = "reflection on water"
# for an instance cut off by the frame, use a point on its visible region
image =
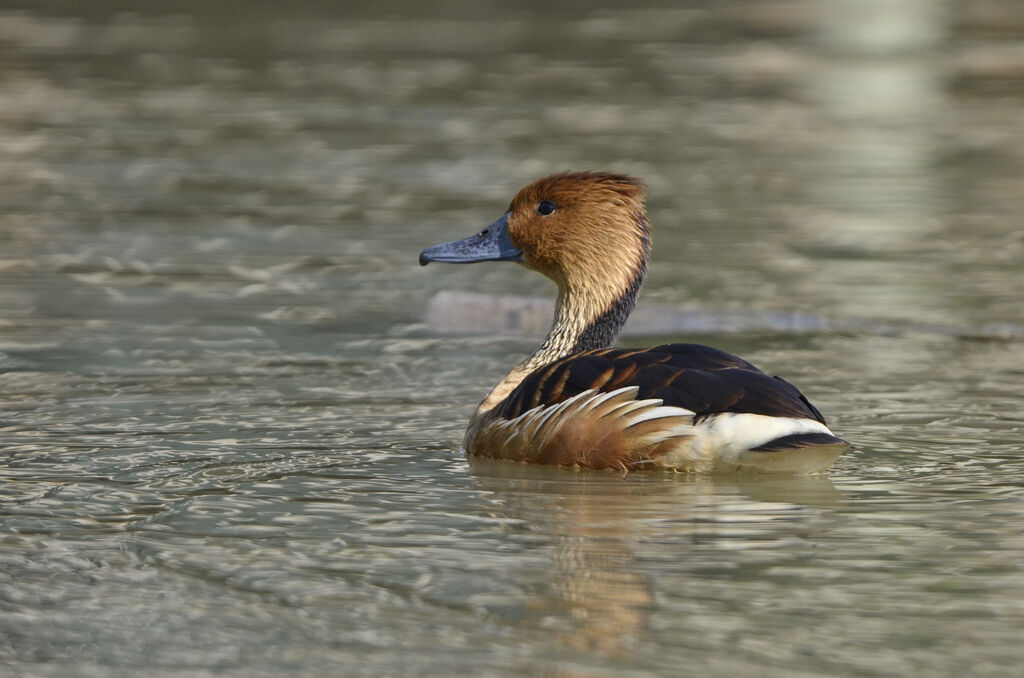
(230, 419)
(601, 522)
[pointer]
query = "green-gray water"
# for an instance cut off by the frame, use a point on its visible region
(230, 432)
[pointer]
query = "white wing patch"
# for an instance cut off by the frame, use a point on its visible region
(727, 438)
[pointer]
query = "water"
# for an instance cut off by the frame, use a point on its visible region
(230, 435)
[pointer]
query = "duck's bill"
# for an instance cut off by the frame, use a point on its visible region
(491, 244)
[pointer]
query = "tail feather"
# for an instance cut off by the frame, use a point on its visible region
(799, 441)
(797, 453)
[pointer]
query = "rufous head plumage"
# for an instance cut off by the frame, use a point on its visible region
(580, 228)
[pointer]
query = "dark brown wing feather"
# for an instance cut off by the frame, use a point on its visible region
(699, 378)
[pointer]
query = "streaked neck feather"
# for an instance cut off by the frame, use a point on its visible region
(585, 320)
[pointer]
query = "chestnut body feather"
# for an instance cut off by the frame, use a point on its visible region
(578, 402)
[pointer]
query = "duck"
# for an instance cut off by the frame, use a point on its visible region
(577, 401)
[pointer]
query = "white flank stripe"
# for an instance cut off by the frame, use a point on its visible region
(658, 412)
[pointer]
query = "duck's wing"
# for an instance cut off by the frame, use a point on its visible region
(698, 378)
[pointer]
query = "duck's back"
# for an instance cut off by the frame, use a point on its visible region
(699, 378)
(684, 406)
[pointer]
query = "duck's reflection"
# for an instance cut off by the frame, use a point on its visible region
(600, 590)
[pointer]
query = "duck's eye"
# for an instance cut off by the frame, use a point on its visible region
(545, 207)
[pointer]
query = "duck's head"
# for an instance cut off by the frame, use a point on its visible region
(584, 230)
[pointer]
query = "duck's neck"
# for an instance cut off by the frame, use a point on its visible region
(587, 317)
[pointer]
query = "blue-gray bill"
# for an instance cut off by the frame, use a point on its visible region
(491, 244)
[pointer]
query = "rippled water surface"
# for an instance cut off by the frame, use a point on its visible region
(230, 416)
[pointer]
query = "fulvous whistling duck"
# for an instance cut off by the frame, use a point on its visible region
(578, 402)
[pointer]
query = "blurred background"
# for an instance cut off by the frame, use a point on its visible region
(231, 401)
